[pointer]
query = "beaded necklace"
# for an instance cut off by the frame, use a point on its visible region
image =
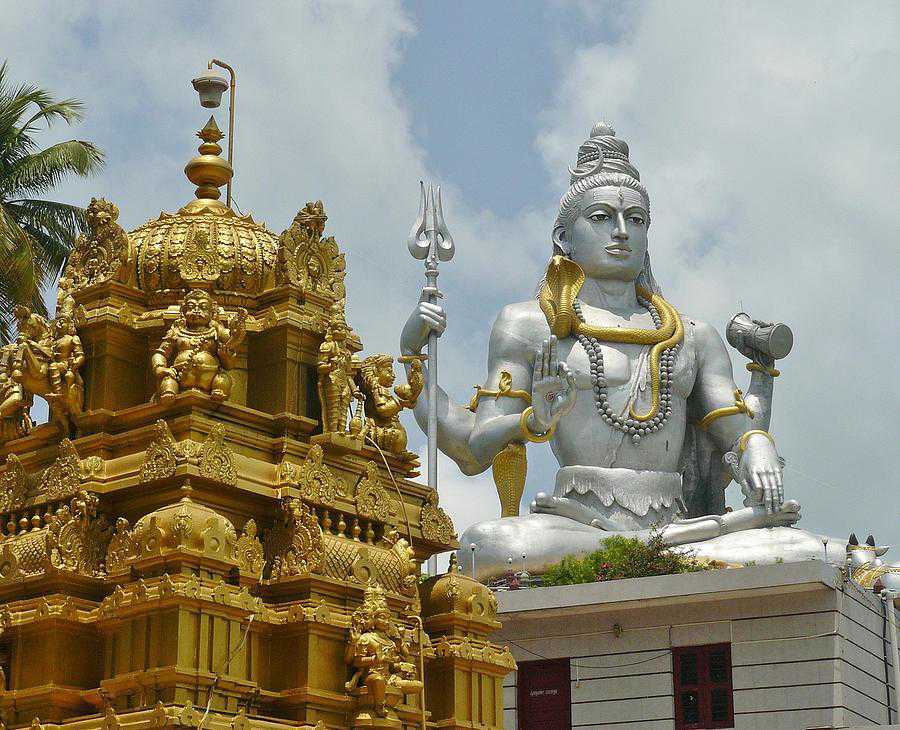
(629, 424)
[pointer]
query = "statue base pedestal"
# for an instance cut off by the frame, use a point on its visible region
(545, 539)
(367, 721)
(367, 718)
(342, 441)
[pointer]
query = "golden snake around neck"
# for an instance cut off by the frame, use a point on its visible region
(557, 297)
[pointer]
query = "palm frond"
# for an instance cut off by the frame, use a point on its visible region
(63, 219)
(50, 251)
(39, 172)
(35, 235)
(19, 269)
(69, 110)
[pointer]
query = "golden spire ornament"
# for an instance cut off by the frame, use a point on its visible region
(208, 171)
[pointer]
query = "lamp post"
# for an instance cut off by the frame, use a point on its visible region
(210, 85)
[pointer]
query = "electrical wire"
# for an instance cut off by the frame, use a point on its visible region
(400, 505)
(227, 663)
(224, 668)
(582, 665)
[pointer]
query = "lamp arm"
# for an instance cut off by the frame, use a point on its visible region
(231, 87)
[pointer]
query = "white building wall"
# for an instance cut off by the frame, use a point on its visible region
(804, 655)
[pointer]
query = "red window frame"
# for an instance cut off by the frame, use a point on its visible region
(694, 668)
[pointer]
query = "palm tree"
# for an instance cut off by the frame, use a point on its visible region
(35, 234)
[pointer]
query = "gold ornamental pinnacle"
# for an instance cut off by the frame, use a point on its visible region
(208, 171)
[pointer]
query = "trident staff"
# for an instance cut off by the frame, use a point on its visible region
(430, 240)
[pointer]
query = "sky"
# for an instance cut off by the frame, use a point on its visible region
(766, 134)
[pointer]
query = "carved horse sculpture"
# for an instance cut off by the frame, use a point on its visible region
(45, 361)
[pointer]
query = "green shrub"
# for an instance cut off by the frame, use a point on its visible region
(624, 557)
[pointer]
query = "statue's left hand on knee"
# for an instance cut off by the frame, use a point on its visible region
(760, 472)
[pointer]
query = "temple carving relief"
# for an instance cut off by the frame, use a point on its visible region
(45, 360)
(337, 388)
(100, 254)
(380, 653)
(308, 260)
(199, 349)
(382, 406)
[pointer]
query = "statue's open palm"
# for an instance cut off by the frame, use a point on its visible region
(553, 390)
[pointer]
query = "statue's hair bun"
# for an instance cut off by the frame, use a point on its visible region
(603, 129)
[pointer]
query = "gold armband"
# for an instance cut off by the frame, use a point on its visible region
(742, 441)
(756, 367)
(504, 390)
(738, 407)
(537, 438)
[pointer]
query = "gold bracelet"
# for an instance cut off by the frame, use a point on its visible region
(738, 407)
(504, 390)
(756, 367)
(537, 438)
(742, 441)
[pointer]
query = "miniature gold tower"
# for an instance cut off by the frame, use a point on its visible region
(202, 536)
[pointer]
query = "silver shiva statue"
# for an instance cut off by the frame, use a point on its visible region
(637, 400)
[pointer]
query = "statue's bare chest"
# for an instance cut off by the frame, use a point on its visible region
(626, 364)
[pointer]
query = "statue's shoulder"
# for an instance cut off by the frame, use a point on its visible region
(520, 326)
(525, 319)
(700, 335)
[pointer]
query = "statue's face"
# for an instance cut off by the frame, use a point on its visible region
(608, 239)
(197, 312)
(382, 621)
(63, 326)
(386, 373)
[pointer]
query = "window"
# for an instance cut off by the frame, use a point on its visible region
(544, 695)
(703, 694)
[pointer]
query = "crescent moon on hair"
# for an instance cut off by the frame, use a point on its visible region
(595, 168)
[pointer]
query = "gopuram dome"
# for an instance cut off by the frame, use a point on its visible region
(205, 242)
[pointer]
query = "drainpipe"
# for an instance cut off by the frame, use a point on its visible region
(888, 598)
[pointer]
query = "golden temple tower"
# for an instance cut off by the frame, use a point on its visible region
(202, 536)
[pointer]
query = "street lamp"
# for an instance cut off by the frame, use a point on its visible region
(210, 85)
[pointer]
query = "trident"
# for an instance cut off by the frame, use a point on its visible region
(430, 240)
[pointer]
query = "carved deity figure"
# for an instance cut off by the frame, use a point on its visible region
(45, 360)
(198, 350)
(15, 401)
(67, 357)
(378, 651)
(637, 400)
(336, 384)
(101, 254)
(307, 258)
(382, 406)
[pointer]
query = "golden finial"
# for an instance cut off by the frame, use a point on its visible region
(208, 171)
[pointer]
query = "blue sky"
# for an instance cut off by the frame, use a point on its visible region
(765, 132)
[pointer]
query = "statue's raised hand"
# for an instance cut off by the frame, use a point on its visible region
(553, 390)
(424, 319)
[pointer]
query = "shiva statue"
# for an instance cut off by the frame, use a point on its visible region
(637, 400)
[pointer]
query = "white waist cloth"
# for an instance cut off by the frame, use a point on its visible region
(636, 491)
